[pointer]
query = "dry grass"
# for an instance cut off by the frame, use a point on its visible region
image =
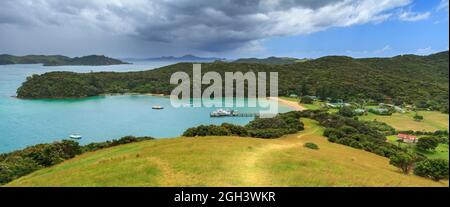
(227, 161)
(433, 121)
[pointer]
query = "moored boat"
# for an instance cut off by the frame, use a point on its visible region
(223, 112)
(158, 107)
(75, 136)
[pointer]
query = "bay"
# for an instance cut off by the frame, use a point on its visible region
(28, 122)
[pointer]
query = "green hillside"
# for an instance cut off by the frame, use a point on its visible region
(418, 80)
(227, 161)
(58, 60)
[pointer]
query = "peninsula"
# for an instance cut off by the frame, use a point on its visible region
(59, 60)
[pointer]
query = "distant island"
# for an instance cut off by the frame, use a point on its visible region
(185, 58)
(59, 60)
(272, 60)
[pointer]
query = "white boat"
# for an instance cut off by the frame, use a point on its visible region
(75, 136)
(157, 107)
(223, 112)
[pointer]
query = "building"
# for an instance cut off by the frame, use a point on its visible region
(407, 138)
(396, 108)
(337, 105)
(312, 97)
(359, 111)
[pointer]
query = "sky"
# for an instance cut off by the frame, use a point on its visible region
(224, 28)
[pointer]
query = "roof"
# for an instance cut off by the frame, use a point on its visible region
(406, 136)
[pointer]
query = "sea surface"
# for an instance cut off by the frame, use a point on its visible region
(29, 122)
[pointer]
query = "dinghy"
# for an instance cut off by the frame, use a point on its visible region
(75, 136)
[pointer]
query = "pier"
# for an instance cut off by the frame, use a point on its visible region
(232, 113)
(236, 115)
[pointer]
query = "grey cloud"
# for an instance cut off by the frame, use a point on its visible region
(211, 25)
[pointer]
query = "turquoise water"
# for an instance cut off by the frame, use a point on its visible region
(29, 122)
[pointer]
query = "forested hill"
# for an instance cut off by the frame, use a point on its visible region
(271, 60)
(58, 60)
(408, 79)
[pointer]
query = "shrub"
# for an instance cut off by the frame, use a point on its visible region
(15, 167)
(275, 127)
(267, 123)
(333, 133)
(418, 117)
(236, 130)
(381, 112)
(381, 127)
(311, 145)
(210, 130)
(267, 133)
(348, 130)
(436, 169)
(114, 142)
(51, 154)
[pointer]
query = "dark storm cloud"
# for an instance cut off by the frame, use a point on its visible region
(206, 25)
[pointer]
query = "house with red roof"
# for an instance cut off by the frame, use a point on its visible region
(407, 138)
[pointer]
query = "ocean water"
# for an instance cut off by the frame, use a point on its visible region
(28, 122)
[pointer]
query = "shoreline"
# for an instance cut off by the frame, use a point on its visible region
(134, 94)
(291, 104)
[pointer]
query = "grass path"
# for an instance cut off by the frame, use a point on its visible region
(254, 174)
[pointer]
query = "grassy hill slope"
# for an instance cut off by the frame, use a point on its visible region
(227, 161)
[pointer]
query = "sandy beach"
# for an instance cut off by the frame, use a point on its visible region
(291, 104)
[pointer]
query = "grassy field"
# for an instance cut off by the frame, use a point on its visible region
(433, 121)
(227, 161)
(441, 151)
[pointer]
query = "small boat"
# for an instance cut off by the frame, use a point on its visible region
(223, 112)
(75, 136)
(158, 107)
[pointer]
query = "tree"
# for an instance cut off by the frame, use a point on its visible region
(404, 161)
(427, 143)
(303, 90)
(307, 100)
(436, 169)
(346, 111)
